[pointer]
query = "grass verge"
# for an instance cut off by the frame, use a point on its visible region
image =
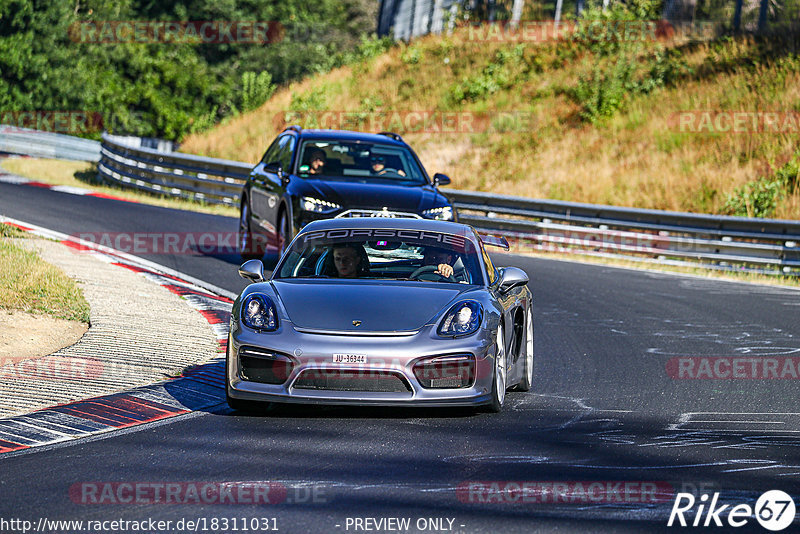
(595, 126)
(29, 284)
(84, 174)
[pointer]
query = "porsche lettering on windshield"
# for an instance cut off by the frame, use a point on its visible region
(415, 235)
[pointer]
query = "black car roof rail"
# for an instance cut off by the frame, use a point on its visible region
(294, 128)
(393, 135)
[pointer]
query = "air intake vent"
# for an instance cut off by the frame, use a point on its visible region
(347, 380)
(265, 367)
(446, 372)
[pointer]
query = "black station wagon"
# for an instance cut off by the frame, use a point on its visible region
(307, 175)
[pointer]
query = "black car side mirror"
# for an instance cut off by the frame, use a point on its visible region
(511, 277)
(440, 179)
(274, 167)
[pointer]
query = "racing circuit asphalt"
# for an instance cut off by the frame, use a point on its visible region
(603, 408)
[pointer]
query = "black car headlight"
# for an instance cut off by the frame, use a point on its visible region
(259, 313)
(462, 319)
(444, 213)
(316, 205)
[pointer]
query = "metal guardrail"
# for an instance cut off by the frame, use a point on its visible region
(210, 180)
(40, 144)
(717, 242)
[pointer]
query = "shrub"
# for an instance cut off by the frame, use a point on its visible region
(256, 89)
(759, 198)
(603, 91)
(504, 70)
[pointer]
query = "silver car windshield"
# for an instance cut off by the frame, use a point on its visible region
(383, 254)
(359, 162)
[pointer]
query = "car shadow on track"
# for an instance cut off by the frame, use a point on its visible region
(201, 388)
(300, 411)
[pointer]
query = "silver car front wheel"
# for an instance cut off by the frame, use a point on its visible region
(500, 374)
(527, 372)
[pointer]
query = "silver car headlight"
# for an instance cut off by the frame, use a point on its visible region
(259, 313)
(445, 213)
(462, 319)
(318, 206)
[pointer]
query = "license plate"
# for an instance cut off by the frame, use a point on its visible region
(349, 358)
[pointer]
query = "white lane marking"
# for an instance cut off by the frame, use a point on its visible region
(135, 260)
(44, 430)
(72, 190)
(761, 468)
(695, 421)
(15, 437)
(105, 433)
(13, 179)
(742, 422)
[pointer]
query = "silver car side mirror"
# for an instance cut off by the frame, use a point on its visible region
(252, 270)
(512, 277)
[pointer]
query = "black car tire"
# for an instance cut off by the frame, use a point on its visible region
(245, 406)
(284, 232)
(249, 247)
(527, 363)
(499, 376)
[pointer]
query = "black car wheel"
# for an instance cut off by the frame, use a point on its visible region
(249, 248)
(284, 233)
(500, 375)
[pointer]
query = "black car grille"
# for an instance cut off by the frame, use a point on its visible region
(265, 367)
(378, 214)
(347, 380)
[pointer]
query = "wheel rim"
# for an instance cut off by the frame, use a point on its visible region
(244, 229)
(529, 348)
(500, 368)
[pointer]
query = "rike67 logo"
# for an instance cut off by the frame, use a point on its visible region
(774, 510)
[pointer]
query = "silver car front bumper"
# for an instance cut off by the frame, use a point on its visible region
(312, 354)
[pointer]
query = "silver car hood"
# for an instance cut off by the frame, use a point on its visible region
(363, 307)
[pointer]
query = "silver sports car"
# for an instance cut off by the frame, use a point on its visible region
(380, 311)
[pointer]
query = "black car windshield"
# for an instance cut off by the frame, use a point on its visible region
(359, 162)
(385, 254)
